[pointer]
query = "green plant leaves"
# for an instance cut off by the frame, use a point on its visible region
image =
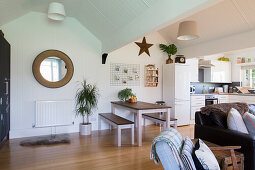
(170, 49)
(125, 94)
(86, 99)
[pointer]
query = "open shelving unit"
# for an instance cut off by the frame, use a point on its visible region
(151, 75)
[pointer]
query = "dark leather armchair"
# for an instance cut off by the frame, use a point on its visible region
(205, 129)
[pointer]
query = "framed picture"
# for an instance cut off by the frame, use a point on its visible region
(117, 68)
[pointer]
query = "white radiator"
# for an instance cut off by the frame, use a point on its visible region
(53, 113)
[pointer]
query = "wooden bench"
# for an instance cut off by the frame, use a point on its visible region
(117, 121)
(159, 118)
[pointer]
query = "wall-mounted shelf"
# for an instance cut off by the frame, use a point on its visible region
(151, 74)
(247, 64)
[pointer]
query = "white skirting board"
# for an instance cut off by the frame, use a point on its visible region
(20, 133)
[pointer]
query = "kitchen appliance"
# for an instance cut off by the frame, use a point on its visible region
(225, 88)
(192, 89)
(180, 59)
(211, 99)
(176, 91)
(218, 90)
(205, 64)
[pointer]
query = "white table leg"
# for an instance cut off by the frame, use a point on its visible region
(113, 112)
(135, 119)
(168, 118)
(99, 123)
(132, 134)
(119, 136)
(175, 124)
(140, 128)
(113, 109)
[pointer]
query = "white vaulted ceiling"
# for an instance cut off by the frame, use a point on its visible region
(104, 17)
(114, 22)
(224, 19)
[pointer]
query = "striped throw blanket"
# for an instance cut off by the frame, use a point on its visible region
(173, 138)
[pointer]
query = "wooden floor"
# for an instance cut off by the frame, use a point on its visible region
(86, 152)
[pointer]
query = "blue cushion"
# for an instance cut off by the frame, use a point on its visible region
(166, 156)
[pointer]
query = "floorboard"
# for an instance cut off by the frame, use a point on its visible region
(98, 151)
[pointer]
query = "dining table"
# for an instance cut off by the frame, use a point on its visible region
(140, 108)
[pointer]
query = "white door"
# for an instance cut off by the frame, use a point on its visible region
(182, 82)
(182, 112)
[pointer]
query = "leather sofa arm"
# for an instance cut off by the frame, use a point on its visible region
(221, 134)
(225, 137)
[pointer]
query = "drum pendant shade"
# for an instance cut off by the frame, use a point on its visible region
(188, 31)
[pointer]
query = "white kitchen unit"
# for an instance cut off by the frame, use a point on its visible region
(176, 87)
(196, 102)
(223, 98)
(193, 66)
(250, 99)
(219, 73)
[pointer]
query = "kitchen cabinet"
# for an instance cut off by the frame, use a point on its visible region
(193, 69)
(196, 102)
(219, 73)
(4, 90)
(242, 98)
(223, 99)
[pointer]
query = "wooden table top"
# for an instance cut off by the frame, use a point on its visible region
(140, 105)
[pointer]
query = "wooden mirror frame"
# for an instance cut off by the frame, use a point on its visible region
(49, 53)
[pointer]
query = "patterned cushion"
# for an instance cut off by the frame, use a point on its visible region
(235, 121)
(252, 109)
(186, 155)
(204, 158)
(249, 120)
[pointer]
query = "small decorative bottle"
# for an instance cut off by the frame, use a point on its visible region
(204, 90)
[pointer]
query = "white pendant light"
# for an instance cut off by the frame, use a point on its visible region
(56, 11)
(187, 30)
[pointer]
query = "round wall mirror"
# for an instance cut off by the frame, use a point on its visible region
(53, 68)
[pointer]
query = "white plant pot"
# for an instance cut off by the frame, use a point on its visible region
(85, 129)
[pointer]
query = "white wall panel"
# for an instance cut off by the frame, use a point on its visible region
(34, 33)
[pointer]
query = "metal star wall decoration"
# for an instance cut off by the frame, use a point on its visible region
(144, 46)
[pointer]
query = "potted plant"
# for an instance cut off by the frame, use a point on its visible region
(170, 50)
(86, 101)
(126, 94)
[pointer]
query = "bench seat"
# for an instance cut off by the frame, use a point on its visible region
(160, 118)
(117, 121)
